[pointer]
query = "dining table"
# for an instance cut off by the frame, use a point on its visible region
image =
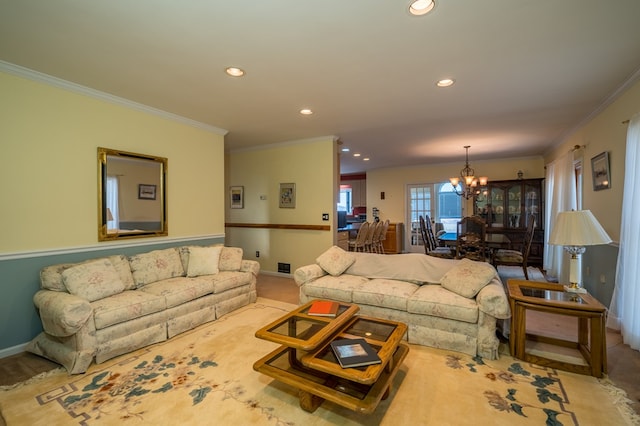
(492, 240)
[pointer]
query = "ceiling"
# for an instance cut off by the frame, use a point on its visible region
(527, 73)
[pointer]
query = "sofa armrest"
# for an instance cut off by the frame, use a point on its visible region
(62, 314)
(307, 273)
(493, 301)
(250, 266)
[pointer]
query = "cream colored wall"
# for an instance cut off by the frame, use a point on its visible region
(308, 164)
(49, 173)
(605, 132)
(393, 181)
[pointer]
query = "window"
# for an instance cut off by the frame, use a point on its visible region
(449, 210)
(345, 203)
(113, 214)
(444, 208)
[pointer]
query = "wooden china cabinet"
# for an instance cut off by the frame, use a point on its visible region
(506, 205)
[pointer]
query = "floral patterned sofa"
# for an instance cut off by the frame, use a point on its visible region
(102, 308)
(446, 303)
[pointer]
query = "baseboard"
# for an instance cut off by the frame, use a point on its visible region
(14, 350)
(277, 274)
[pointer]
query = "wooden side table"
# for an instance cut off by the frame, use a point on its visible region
(552, 298)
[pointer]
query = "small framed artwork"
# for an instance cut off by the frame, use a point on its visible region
(237, 197)
(600, 171)
(146, 192)
(287, 195)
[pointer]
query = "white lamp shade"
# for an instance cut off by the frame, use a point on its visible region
(578, 228)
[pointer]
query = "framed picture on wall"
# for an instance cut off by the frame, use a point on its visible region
(287, 195)
(146, 192)
(237, 197)
(600, 171)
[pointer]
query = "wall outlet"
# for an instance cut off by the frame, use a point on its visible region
(325, 216)
(257, 253)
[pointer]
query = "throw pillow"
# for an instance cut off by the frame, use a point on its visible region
(155, 266)
(93, 280)
(468, 277)
(231, 259)
(335, 260)
(203, 261)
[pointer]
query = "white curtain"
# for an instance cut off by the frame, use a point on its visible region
(113, 183)
(624, 314)
(561, 196)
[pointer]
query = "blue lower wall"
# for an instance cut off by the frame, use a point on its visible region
(20, 280)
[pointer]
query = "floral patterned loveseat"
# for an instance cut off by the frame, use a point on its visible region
(446, 303)
(102, 308)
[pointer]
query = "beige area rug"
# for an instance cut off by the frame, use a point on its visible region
(506, 272)
(206, 376)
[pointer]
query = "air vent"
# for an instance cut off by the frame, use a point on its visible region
(284, 268)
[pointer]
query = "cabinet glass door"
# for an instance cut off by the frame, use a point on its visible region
(482, 205)
(532, 203)
(497, 213)
(514, 195)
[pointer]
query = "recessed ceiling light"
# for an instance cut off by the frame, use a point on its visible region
(234, 71)
(421, 7)
(365, 159)
(356, 155)
(345, 149)
(445, 82)
(306, 111)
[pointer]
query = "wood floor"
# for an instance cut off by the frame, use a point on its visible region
(623, 362)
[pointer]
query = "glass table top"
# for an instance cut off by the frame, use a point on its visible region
(562, 296)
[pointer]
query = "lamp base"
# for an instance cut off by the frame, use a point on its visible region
(570, 289)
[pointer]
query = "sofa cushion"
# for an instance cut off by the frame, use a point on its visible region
(384, 293)
(226, 280)
(335, 260)
(51, 276)
(439, 302)
(93, 280)
(179, 290)
(125, 306)
(334, 288)
(468, 277)
(203, 261)
(121, 263)
(230, 259)
(155, 265)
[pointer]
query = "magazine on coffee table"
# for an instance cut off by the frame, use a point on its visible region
(352, 353)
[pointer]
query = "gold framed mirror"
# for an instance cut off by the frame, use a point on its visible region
(132, 200)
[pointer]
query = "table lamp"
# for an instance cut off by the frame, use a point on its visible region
(574, 230)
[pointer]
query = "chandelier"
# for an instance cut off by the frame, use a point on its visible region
(469, 180)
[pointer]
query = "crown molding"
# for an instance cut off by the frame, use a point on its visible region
(37, 76)
(283, 144)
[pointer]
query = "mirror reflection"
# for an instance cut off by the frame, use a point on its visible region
(132, 201)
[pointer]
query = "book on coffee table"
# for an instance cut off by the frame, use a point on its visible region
(324, 308)
(354, 353)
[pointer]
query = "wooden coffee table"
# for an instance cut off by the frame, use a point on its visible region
(305, 359)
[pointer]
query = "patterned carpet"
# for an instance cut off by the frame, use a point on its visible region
(205, 376)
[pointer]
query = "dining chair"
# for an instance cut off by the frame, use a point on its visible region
(517, 257)
(431, 246)
(358, 243)
(470, 242)
(375, 242)
(368, 240)
(383, 235)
